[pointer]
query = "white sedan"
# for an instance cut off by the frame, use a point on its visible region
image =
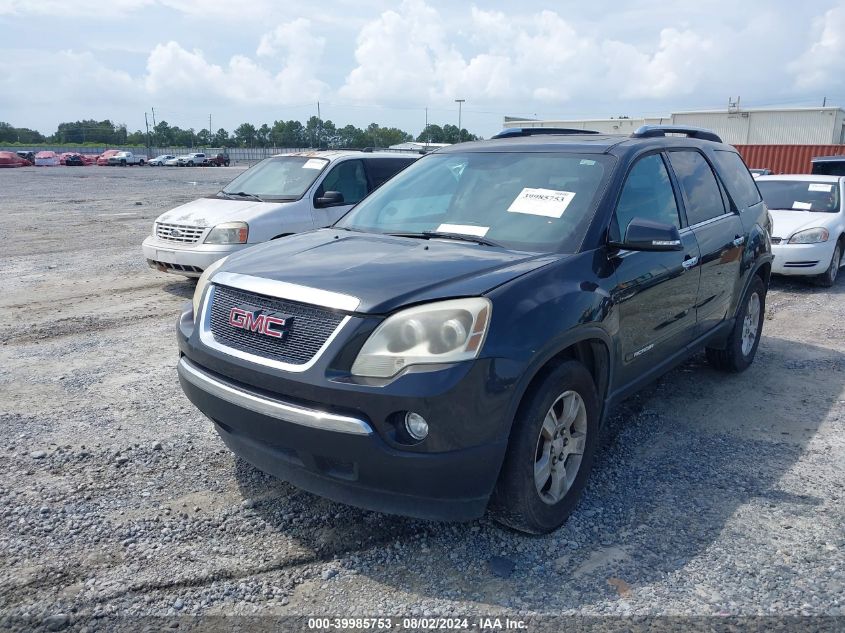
(174, 162)
(808, 236)
(160, 160)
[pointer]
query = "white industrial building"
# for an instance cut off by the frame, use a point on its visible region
(764, 126)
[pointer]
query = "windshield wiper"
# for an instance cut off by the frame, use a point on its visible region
(242, 194)
(427, 235)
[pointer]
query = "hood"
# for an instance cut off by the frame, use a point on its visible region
(211, 211)
(787, 223)
(384, 272)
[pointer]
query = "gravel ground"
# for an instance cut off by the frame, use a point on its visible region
(713, 494)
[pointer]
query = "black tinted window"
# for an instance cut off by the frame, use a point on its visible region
(701, 190)
(829, 168)
(647, 194)
(383, 169)
(738, 179)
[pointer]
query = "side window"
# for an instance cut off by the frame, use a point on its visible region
(740, 183)
(348, 178)
(383, 169)
(647, 193)
(701, 189)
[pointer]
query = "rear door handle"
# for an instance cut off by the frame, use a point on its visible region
(739, 241)
(689, 262)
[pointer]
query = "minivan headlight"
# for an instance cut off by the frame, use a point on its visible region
(441, 332)
(202, 283)
(810, 236)
(228, 233)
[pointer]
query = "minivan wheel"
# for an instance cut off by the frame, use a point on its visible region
(828, 278)
(741, 346)
(550, 454)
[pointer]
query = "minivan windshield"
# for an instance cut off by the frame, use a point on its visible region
(800, 195)
(529, 201)
(277, 178)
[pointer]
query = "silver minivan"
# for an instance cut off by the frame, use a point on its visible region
(281, 195)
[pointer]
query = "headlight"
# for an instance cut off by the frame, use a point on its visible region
(228, 233)
(810, 236)
(442, 332)
(202, 282)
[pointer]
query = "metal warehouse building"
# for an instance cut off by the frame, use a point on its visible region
(737, 126)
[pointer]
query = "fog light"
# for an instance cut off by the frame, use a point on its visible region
(416, 425)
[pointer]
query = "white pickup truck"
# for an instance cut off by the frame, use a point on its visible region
(127, 158)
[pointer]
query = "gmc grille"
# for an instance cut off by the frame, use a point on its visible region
(309, 330)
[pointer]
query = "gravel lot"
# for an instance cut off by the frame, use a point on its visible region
(713, 494)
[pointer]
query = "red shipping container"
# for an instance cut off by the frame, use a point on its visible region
(786, 159)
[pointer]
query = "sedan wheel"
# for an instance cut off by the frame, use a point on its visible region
(828, 278)
(750, 324)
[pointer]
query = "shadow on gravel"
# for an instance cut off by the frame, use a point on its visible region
(677, 462)
(184, 288)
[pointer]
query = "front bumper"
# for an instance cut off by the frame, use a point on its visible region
(802, 259)
(337, 439)
(184, 259)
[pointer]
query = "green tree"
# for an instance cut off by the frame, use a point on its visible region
(262, 135)
(245, 135)
(162, 134)
(220, 138)
(204, 137)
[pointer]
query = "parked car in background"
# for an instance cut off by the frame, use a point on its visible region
(46, 159)
(455, 341)
(103, 159)
(808, 234)
(27, 155)
(174, 162)
(828, 165)
(218, 160)
(89, 159)
(158, 161)
(123, 159)
(13, 159)
(279, 196)
(760, 172)
(192, 160)
(73, 159)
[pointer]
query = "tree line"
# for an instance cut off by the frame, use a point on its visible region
(313, 133)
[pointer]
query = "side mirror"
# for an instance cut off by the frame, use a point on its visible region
(329, 198)
(648, 235)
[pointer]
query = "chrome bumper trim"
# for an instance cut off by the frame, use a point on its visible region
(269, 407)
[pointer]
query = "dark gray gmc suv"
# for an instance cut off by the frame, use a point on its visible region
(454, 342)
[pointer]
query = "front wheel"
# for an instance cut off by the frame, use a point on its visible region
(741, 346)
(550, 454)
(141, 163)
(828, 277)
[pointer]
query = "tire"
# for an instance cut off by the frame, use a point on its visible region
(525, 497)
(191, 164)
(140, 163)
(226, 163)
(828, 278)
(123, 163)
(740, 348)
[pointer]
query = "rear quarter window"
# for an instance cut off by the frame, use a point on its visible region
(737, 178)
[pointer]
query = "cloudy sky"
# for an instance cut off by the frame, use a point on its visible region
(372, 60)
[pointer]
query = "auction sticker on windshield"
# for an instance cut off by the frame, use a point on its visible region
(464, 229)
(314, 163)
(804, 206)
(549, 203)
(818, 186)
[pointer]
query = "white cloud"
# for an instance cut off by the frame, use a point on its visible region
(406, 54)
(823, 63)
(173, 71)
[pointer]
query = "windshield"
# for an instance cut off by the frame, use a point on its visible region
(531, 201)
(279, 178)
(800, 195)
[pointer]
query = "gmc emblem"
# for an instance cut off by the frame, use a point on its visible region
(273, 325)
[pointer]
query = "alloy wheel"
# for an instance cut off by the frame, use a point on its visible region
(750, 324)
(560, 447)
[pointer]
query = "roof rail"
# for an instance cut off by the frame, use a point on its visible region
(510, 132)
(649, 131)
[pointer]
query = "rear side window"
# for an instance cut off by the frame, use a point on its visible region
(829, 167)
(383, 169)
(740, 183)
(701, 189)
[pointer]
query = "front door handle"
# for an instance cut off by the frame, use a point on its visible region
(689, 262)
(739, 240)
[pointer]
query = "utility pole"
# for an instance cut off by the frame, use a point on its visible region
(147, 124)
(209, 125)
(824, 101)
(460, 102)
(425, 129)
(154, 117)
